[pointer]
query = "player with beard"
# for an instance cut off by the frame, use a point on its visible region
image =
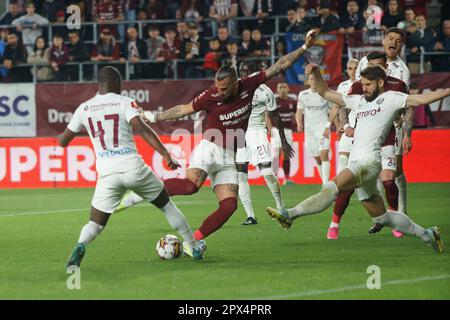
(388, 159)
(393, 42)
(376, 111)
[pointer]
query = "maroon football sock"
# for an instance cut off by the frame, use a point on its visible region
(287, 168)
(215, 220)
(341, 204)
(391, 194)
(177, 186)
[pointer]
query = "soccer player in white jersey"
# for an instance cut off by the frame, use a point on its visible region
(393, 42)
(376, 111)
(314, 109)
(110, 119)
(257, 146)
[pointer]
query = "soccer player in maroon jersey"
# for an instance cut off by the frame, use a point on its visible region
(287, 107)
(389, 167)
(228, 107)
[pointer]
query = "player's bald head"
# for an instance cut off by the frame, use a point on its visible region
(109, 80)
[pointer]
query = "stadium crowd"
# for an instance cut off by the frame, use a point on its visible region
(201, 35)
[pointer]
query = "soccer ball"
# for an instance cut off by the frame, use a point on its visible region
(168, 247)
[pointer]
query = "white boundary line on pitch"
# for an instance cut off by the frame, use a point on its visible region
(21, 213)
(350, 288)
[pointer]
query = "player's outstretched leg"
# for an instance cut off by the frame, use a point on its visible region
(227, 197)
(178, 221)
(341, 204)
(401, 222)
(88, 233)
(129, 199)
(191, 184)
(245, 193)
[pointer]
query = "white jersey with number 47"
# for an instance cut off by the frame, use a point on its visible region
(263, 99)
(106, 118)
(375, 120)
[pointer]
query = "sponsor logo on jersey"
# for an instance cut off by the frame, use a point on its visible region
(368, 113)
(235, 113)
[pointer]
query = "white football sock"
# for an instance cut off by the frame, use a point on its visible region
(401, 222)
(177, 221)
(316, 203)
(319, 168)
(89, 232)
(274, 186)
(245, 194)
(325, 172)
(400, 181)
(342, 162)
(130, 199)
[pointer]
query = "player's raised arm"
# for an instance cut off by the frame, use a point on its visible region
(171, 114)
(286, 61)
(153, 140)
(322, 87)
(426, 98)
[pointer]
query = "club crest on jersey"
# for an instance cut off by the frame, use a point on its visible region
(86, 108)
(134, 105)
(380, 101)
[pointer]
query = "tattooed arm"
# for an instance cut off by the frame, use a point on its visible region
(407, 127)
(173, 113)
(286, 61)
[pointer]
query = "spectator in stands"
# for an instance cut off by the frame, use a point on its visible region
(280, 48)
(134, 50)
(223, 12)
(169, 51)
(172, 6)
(107, 49)
(78, 52)
(59, 56)
(442, 44)
(156, 9)
(281, 7)
(14, 55)
(13, 14)
(353, 18)
(109, 11)
(418, 5)
(30, 26)
(50, 9)
(193, 10)
(261, 10)
(60, 19)
(328, 21)
(192, 49)
(129, 9)
(259, 47)
(301, 24)
(291, 16)
(41, 56)
(212, 58)
(393, 16)
(232, 57)
(246, 37)
(421, 40)
(421, 112)
(224, 38)
(154, 42)
(3, 44)
(182, 30)
(410, 15)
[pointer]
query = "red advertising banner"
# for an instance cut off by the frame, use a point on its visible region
(41, 163)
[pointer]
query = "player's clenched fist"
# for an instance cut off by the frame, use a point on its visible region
(311, 37)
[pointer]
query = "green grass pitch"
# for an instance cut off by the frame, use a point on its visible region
(40, 227)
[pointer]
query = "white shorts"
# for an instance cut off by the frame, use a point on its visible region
(398, 141)
(366, 172)
(257, 148)
(315, 142)
(388, 159)
(345, 143)
(217, 162)
(275, 139)
(111, 188)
